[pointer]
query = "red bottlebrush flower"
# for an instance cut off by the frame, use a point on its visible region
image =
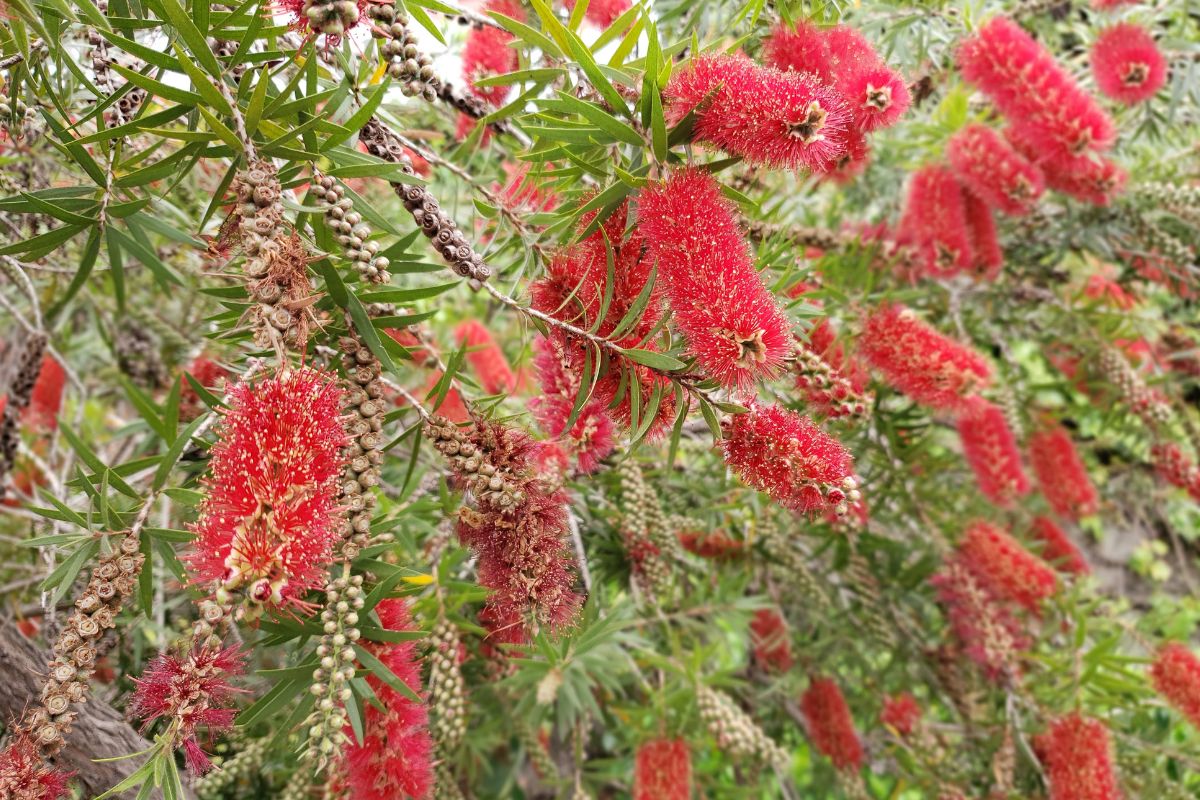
(591, 438)
(799, 49)
(1057, 547)
(715, 545)
(771, 641)
(991, 449)
(465, 126)
(487, 53)
(520, 191)
(1175, 467)
(603, 13)
(900, 712)
(1090, 180)
(24, 775)
(787, 120)
(45, 400)
(935, 222)
(987, 259)
(1175, 675)
(193, 691)
(1005, 567)
(848, 49)
(733, 325)
(1061, 473)
(787, 456)
(1107, 5)
(486, 358)
(876, 94)
(1033, 90)
(995, 172)
(928, 367)
(1127, 64)
(269, 522)
(830, 725)
(395, 757)
(208, 374)
(990, 635)
(451, 406)
(330, 19)
(663, 770)
(1076, 755)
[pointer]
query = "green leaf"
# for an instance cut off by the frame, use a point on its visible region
(359, 117)
(601, 119)
(144, 254)
(192, 36)
(176, 450)
(381, 671)
(660, 362)
(63, 577)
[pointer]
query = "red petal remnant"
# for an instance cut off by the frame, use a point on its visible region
(1076, 755)
(1006, 568)
(486, 358)
(900, 712)
(991, 449)
(1057, 547)
(25, 776)
(1061, 473)
(992, 170)
(830, 725)
(1127, 64)
(663, 770)
(771, 640)
(1175, 675)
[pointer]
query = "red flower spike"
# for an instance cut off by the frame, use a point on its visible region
(486, 358)
(830, 725)
(25, 776)
(1076, 755)
(786, 120)
(901, 713)
(935, 222)
(1175, 467)
(914, 358)
(1033, 90)
(733, 325)
(876, 94)
(1057, 547)
(269, 523)
(771, 641)
(591, 438)
(1175, 675)
(194, 691)
(995, 172)
(487, 53)
(991, 449)
(1127, 64)
(799, 49)
(1006, 568)
(849, 50)
(786, 455)
(663, 770)
(1061, 473)
(603, 13)
(45, 400)
(987, 257)
(982, 623)
(715, 545)
(208, 374)
(1107, 5)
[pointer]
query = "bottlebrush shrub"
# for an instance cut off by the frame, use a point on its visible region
(486, 358)
(1005, 567)
(1061, 473)
(771, 640)
(990, 447)
(1127, 64)
(914, 358)
(1175, 675)
(830, 725)
(1076, 753)
(992, 170)
(487, 53)
(900, 712)
(269, 522)
(663, 770)
(733, 325)
(1057, 548)
(787, 456)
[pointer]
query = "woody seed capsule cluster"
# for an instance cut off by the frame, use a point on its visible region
(535, 751)
(446, 694)
(435, 223)
(20, 390)
(648, 540)
(1150, 406)
(350, 230)
(779, 551)
(138, 355)
(364, 403)
(736, 732)
(405, 61)
(330, 17)
(339, 620)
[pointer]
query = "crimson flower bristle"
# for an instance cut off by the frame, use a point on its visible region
(1057, 548)
(1175, 674)
(1087, 178)
(193, 690)
(1005, 567)
(876, 94)
(830, 725)
(269, 522)
(45, 400)
(786, 455)
(932, 369)
(24, 775)
(663, 770)
(987, 259)
(935, 222)
(900, 712)
(603, 13)
(395, 758)
(1061, 473)
(208, 374)
(801, 48)
(592, 437)
(981, 621)
(732, 323)
(995, 172)
(786, 120)
(772, 643)
(1076, 756)
(715, 545)
(990, 447)
(1127, 64)
(487, 53)
(1175, 467)
(486, 358)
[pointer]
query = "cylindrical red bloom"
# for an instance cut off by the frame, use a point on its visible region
(1176, 676)
(928, 367)
(802, 48)
(487, 53)
(1076, 755)
(591, 436)
(1061, 473)
(771, 640)
(485, 357)
(786, 455)
(1005, 567)
(716, 545)
(983, 624)
(1033, 90)
(830, 725)
(269, 523)
(1057, 547)
(395, 758)
(24, 774)
(46, 398)
(192, 690)
(991, 449)
(935, 222)
(787, 120)
(733, 325)
(603, 12)
(1127, 64)
(1090, 178)
(1175, 467)
(663, 770)
(994, 171)
(987, 259)
(900, 712)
